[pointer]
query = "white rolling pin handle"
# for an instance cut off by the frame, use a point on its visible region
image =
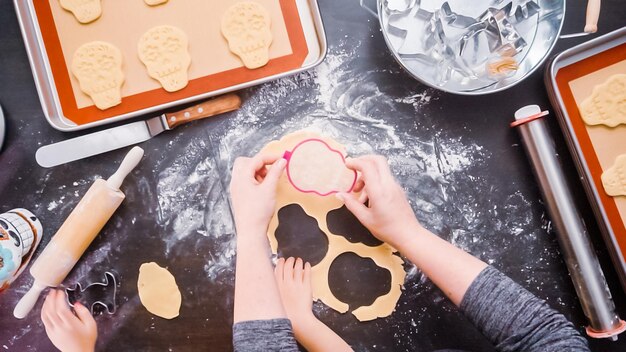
(593, 14)
(26, 304)
(128, 164)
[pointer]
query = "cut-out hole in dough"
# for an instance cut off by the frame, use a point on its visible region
(342, 222)
(357, 281)
(299, 236)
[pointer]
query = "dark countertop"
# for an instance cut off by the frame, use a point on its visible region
(466, 174)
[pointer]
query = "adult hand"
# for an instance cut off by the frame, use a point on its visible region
(253, 192)
(388, 215)
(69, 331)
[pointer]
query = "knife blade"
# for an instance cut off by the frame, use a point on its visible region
(132, 133)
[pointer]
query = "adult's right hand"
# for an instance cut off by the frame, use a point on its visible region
(388, 215)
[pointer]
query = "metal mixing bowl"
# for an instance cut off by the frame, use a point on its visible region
(540, 35)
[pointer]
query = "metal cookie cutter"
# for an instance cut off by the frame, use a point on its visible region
(96, 296)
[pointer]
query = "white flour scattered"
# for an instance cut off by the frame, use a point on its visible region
(445, 175)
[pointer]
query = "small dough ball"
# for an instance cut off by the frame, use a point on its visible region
(85, 11)
(158, 291)
(155, 2)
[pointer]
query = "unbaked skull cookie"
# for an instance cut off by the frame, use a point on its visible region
(321, 208)
(165, 52)
(614, 179)
(85, 11)
(607, 103)
(155, 2)
(246, 26)
(98, 68)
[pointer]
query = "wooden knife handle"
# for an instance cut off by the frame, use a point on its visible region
(216, 106)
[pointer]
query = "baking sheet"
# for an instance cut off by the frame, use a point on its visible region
(608, 143)
(213, 66)
(599, 145)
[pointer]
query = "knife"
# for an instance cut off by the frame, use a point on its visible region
(132, 133)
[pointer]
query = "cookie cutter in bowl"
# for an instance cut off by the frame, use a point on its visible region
(453, 45)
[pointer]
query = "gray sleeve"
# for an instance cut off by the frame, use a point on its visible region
(264, 335)
(513, 319)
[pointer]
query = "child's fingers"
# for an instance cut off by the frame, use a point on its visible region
(279, 270)
(47, 323)
(288, 273)
(62, 307)
(84, 315)
(307, 276)
(298, 271)
(49, 309)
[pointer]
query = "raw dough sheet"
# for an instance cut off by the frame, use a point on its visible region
(608, 142)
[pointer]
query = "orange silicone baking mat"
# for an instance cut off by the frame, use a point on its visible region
(123, 22)
(600, 144)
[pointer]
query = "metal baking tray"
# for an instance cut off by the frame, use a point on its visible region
(50, 97)
(568, 77)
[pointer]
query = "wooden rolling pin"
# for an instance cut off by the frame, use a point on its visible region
(77, 233)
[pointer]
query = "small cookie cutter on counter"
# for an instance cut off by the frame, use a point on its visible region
(93, 293)
(469, 47)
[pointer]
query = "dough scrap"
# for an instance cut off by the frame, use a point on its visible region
(315, 167)
(165, 52)
(614, 179)
(85, 11)
(246, 25)
(607, 103)
(158, 291)
(155, 2)
(318, 207)
(98, 68)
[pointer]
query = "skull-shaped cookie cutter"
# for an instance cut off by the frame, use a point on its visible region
(109, 303)
(288, 155)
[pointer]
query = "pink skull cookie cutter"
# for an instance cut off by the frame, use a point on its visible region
(301, 165)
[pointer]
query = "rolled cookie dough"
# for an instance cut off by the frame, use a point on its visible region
(614, 179)
(98, 68)
(164, 51)
(158, 291)
(85, 11)
(607, 103)
(318, 207)
(246, 25)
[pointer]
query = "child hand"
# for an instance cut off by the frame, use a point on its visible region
(253, 192)
(294, 283)
(69, 331)
(389, 215)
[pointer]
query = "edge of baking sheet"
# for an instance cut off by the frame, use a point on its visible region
(562, 60)
(312, 25)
